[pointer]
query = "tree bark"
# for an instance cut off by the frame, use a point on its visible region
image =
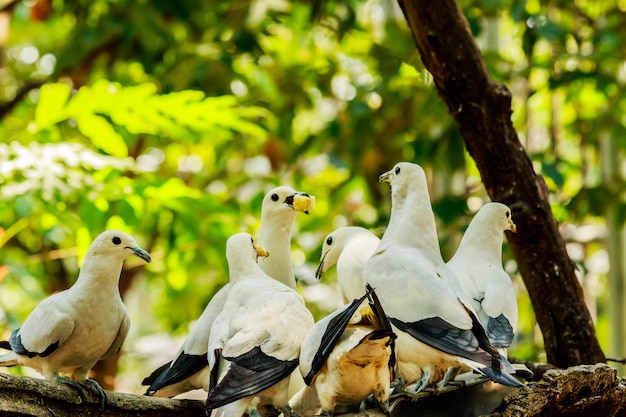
(24, 396)
(482, 110)
(586, 390)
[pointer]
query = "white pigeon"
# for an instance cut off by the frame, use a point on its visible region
(255, 341)
(477, 264)
(68, 332)
(349, 247)
(346, 357)
(432, 318)
(189, 370)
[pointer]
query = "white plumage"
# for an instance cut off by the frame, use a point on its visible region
(68, 332)
(189, 370)
(349, 247)
(347, 356)
(432, 317)
(477, 264)
(255, 341)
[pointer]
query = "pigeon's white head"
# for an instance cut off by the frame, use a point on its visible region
(498, 214)
(334, 243)
(283, 199)
(240, 247)
(404, 177)
(116, 244)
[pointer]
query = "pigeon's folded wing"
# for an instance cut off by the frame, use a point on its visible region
(47, 327)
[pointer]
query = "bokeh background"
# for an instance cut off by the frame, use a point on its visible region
(170, 120)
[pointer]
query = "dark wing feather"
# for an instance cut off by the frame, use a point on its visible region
(441, 335)
(184, 367)
(331, 336)
(503, 378)
(155, 374)
(213, 374)
(248, 375)
(377, 308)
(499, 362)
(4, 344)
(383, 322)
(500, 331)
(15, 341)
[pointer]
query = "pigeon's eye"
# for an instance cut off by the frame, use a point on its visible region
(329, 241)
(508, 214)
(116, 240)
(274, 197)
(397, 170)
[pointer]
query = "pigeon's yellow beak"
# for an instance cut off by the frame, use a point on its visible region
(511, 226)
(386, 177)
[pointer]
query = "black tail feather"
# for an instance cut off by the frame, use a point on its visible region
(500, 377)
(331, 336)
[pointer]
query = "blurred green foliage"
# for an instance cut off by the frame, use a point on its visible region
(170, 120)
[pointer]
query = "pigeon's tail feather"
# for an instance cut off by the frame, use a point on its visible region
(506, 365)
(155, 374)
(494, 372)
(9, 359)
(500, 377)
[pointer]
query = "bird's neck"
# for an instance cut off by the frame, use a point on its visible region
(243, 270)
(101, 274)
(275, 237)
(412, 223)
(486, 245)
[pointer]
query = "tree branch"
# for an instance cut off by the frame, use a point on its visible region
(6, 107)
(24, 396)
(9, 6)
(586, 390)
(482, 110)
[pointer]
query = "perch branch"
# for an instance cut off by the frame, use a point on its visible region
(22, 396)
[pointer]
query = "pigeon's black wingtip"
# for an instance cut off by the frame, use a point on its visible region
(503, 378)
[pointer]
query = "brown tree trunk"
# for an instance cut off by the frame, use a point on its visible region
(482, 110)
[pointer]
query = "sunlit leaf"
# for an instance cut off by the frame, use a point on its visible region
(51, 104)
(551, 171)
(171, 189)
(102, 134)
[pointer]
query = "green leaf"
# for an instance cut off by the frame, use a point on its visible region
(551, 171)
(102, 134)
(171, 189)
(50, 108)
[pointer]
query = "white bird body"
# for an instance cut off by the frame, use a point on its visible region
(255, 341)
(477, 264)
(346, 357)
(349, 248)
(420, 300)
(68, 332)
(189, 370)
(421, 296)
